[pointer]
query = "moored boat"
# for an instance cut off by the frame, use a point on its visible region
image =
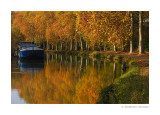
(30, 50)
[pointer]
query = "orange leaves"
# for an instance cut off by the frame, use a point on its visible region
(93, 26)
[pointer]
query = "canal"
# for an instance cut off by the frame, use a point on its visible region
(64, 79)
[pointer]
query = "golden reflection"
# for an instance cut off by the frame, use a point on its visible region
(61, 83)
(90, 85)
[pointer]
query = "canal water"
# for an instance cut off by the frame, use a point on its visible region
(61, 79)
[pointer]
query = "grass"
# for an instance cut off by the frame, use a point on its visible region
(130, 88)
(133, 62)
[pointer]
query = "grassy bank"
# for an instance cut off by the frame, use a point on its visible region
(131, 88)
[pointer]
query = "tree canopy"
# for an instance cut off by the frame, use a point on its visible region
(96, 29)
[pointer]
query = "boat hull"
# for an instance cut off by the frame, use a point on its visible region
(33, 54)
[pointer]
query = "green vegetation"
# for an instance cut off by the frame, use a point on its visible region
(131, 87)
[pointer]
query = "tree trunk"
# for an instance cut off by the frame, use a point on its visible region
(56, 46)
(104, 47)
(122, 45)
(86, 46)
(47, 45)
(76, 45)
(66, 46)
(99, 45)
(76, 63)
(52, 47)
(122, 66)
(115, 48)
(81, 45)
(61, 46)
(70, 62)
(71, 45)
(131, 44)
(140, 33)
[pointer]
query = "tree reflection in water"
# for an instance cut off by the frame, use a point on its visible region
(67, 79)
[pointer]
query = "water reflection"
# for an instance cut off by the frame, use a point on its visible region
(63, 79)
(15, 97)
(30, 66)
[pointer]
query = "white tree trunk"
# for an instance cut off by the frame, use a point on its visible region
(140, 33)
(131, 44)
(86, 46)
(81, 45)
(115, 48)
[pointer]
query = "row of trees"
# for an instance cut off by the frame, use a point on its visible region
(81, 30)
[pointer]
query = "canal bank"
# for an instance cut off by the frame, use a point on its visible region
(143, 59)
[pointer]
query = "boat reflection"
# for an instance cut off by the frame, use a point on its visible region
(64, 79)
(30, 66)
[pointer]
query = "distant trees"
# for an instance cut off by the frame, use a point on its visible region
(80, 30)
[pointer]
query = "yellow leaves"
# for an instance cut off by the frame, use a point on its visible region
(94, 25)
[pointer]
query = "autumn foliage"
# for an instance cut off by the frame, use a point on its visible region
(85, 30)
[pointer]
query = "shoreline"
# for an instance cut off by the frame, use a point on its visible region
(139, 57)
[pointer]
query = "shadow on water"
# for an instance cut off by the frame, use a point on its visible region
(30, 66)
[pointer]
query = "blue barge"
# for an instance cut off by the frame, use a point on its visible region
(30, 50)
